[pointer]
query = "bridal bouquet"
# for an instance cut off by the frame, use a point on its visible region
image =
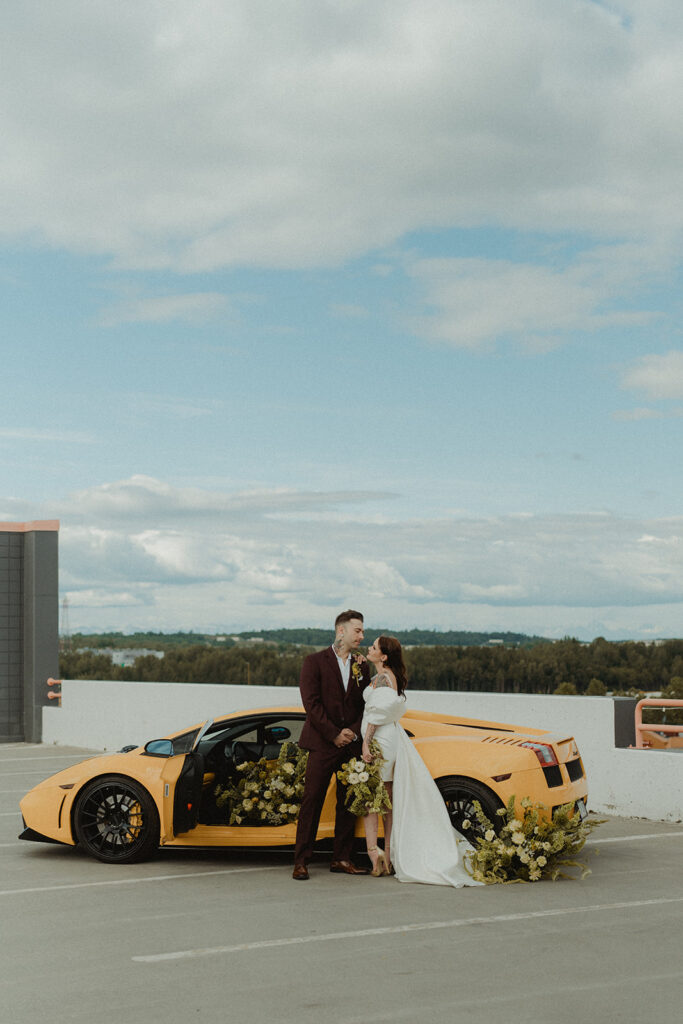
(266, 792)
(365, 791)
(530, 848)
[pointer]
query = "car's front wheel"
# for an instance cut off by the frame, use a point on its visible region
(459, 795)
(116, 820)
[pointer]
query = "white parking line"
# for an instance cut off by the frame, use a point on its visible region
(54, 757)
(9, 814)
(632, 839)
(300, 940)
(37, 771)
(137, 881)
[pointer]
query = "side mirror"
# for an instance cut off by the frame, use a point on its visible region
(277, 734)
(159, 748)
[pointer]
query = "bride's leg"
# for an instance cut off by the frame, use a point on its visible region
(371, 823)
(388, 819)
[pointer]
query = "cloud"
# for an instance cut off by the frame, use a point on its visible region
(163, 552)
(193, 308)
(473, 301)
(657, 376)
(199, 134)
(146, 499)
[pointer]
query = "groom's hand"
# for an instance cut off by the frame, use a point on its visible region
(345, 737)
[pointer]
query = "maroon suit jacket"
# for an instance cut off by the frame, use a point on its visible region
(329, 708)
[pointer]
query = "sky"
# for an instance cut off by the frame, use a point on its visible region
(316, 305)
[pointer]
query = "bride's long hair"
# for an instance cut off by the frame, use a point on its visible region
(390, 646)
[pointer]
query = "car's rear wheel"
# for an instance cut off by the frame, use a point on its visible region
(116, 820)
(459, 795)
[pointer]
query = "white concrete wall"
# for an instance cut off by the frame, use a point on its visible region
(635, 783)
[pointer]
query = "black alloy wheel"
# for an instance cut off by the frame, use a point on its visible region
(459, 795)
(116, 820)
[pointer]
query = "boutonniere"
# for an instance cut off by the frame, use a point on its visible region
(356, 670)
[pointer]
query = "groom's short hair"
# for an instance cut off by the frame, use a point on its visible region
(347, 616)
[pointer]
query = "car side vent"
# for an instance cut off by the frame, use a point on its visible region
(553, 775)
(574, 769)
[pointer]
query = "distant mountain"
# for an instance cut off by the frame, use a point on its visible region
(309, 637)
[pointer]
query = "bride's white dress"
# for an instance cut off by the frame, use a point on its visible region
(424, 845)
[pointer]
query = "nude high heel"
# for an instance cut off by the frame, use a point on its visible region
(381, 867)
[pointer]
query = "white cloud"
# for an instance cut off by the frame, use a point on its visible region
(657, 376)
(477, 300)
(260, 569)
(201, 134)
(193, 308)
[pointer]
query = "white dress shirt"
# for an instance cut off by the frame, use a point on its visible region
(345, 669)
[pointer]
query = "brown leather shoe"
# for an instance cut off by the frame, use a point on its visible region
(300, 872)
(347, 868)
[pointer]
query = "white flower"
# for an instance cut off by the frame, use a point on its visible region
(363, 776)
(524, 857)
(490, 835)
(288, 768)
(518, 837)
(514, 824)
(359, 766)
(354, 778)
(542, 861)
(467, 823)
(267, 794)
(293, 808)
(282, 808)
(246, 804)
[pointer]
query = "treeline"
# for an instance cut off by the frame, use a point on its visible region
(308, 637)
(567, 666)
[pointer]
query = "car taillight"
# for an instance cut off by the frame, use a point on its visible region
(543, 751)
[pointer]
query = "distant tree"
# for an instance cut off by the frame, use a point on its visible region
(565, 689)
(596, 688)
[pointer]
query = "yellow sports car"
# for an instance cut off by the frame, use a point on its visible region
(121, 807)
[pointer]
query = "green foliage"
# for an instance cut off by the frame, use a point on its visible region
(626, 668)
(565, 689)
(266, 792)
(365, 790)
(529, 849)
(596, 688)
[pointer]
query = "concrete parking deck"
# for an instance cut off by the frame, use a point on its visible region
(231, 937)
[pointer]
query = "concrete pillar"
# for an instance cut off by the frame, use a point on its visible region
(29, 626)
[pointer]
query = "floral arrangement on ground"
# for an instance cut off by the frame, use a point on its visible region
(266, 792)
(365, 790)
(537, 846)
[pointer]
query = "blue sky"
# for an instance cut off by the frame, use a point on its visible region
(325, 304)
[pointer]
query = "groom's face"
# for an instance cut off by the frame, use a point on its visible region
(351, 634)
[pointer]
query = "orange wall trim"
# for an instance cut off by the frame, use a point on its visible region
(39, 525)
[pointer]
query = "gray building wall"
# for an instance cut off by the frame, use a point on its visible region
(29, 626)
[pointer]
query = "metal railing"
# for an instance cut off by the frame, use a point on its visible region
(655, 727)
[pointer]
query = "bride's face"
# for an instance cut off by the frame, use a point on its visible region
(375, 655)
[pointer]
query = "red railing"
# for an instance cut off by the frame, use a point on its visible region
(655, 727)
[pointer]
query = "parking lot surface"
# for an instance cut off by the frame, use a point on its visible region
(229, 936)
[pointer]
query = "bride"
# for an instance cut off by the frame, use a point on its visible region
(420, 844)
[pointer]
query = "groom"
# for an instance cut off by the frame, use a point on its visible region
(332, 683)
